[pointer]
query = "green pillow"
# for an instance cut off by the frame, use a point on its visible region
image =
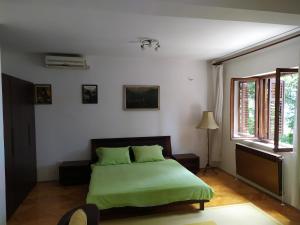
(113, 156)
(148, 153)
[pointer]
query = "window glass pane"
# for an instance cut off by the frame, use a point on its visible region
(266, 108)
(271, 108)
(246, 110)
(287, 111)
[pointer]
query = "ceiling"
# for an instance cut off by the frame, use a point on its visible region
(108, 28)
(286, 6)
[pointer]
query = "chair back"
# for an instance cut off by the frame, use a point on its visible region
(92, 214)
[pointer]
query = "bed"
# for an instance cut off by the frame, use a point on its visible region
(145, 184)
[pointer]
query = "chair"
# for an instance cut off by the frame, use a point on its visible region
(92, 213)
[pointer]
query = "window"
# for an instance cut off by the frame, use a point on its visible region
(245, 112)
(263, 108)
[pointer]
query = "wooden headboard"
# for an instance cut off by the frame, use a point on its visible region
(164, 141)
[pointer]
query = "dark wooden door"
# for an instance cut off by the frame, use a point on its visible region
(29, 126)
(20, 144)
(9, 145)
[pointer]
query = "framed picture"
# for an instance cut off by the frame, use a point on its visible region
(141, 97)
(43, 94)
(89, 94)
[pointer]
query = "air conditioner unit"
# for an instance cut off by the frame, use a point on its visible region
(66, 62)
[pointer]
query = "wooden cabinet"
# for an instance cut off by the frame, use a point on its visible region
(189, 161)
(74, 172)
(19, 140)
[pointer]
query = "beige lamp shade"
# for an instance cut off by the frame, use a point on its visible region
(208, 121)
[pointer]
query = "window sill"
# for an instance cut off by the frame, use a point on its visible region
(264, 146)
(258, 144)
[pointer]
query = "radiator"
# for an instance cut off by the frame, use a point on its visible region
(260, 167)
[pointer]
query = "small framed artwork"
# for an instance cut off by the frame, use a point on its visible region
(89, 94)
(141, 97)
(43, 94)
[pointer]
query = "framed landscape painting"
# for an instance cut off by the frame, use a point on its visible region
(89, 94)
(141, 97)
(43, 94)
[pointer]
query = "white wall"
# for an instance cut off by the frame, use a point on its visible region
(63, 129)
(2, 161)
(285, 55)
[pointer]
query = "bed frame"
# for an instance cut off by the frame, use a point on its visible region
(164, 141)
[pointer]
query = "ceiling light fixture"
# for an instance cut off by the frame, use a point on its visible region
(149, 43)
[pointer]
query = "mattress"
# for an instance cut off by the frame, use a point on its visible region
(144, 184)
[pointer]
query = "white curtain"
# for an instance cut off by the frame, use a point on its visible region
(216, 148)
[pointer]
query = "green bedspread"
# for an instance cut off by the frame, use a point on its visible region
(144, 184)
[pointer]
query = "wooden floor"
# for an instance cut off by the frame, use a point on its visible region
(49, 201)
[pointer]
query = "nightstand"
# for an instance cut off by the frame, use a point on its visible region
(189, 161)
(74, 172)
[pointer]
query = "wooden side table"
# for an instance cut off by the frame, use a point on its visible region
(189, 161)
(74, 172)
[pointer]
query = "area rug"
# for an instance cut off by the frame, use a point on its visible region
(238, 214)
(205, 223)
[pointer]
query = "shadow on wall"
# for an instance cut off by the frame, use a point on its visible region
(190, 137)
(44, 172)
(50, 172)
